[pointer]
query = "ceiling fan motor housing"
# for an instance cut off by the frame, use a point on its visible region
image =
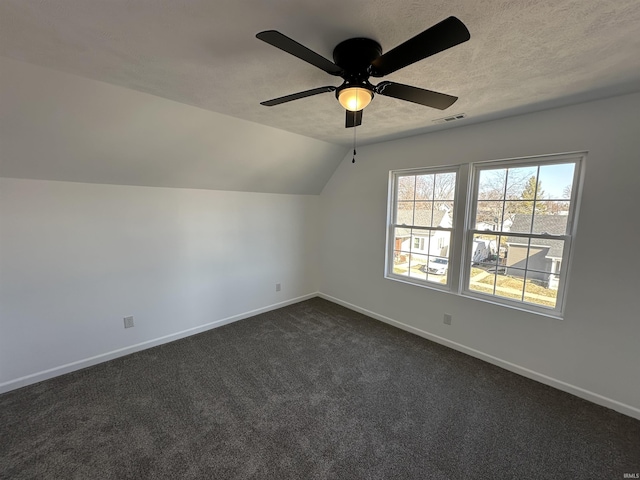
(354, 56)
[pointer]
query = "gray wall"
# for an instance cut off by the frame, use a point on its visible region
(76, 258)
(594, 351)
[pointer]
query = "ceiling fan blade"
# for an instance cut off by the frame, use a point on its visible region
(415, 95)
(278, 40)
(296, 96)
(446, 34)
(353, 119)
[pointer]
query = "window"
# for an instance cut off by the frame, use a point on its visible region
(517, 226)
(423, 209)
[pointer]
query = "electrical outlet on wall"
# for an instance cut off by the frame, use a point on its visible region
(278, 287)
(447, 319)
(128, 322)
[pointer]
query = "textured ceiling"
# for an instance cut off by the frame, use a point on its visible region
(522, 56)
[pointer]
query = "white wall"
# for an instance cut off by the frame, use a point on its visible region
(75, 258)
(594, 352)
(57, 126)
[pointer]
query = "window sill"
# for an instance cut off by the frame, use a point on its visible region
(472, 296)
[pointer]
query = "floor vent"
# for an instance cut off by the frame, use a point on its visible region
(451, 118)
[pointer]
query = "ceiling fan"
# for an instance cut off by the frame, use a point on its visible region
(357, 59)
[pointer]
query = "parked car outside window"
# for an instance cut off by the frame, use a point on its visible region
(438, 266)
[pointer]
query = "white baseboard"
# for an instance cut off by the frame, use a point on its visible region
(512, 367)
(121, 352)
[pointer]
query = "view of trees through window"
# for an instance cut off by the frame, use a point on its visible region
(526, 209)
(423, 219)
(516, 230)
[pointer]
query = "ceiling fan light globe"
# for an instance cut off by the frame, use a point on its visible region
(355, 98)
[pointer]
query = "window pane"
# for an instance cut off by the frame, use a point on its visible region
(445, 186)
(442, 215)
(488, 258)
(541, 284)
(400, 263)
(417, 266)
(544, 222)
(554, 207)
(538, 292)
(516, 254)
(491, 186)
(424, 187)
(423, 214)
(437, 269)
(404, 213)
(440, 243)
(438, 265)
(406, 187)
(401, 249)
(519, 284)
(557, 180)
(484, 248)
(521, 183)
(542, 256)
(518, 216)
(553, 282)
(482, 279)
(534, 258)
(510, 284)
(420, 243)
(402, 233)
(488, 215)
(402, 239)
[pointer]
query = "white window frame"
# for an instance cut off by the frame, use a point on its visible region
(452, 274)
(462, 230)
(476, 168)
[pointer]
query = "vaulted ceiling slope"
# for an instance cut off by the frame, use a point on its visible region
(56, 126)
(167, 93)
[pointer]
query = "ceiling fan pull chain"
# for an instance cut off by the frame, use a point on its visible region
(353, 160)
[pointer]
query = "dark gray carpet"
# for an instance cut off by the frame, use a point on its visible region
(312, 390)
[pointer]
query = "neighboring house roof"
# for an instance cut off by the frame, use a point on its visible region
(423, 216)
(551, 224)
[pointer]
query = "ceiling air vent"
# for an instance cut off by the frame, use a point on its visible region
(451, 118)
